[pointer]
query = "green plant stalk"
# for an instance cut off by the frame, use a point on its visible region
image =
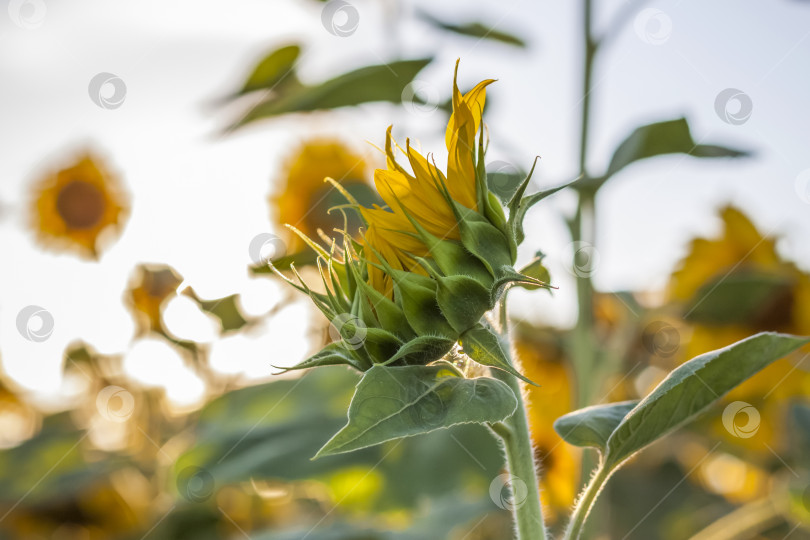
(517, 443)
(586, 501)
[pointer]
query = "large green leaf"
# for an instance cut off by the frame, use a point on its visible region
(742, 297)
(668, 137)
(692, 388)
(270, 431)
(475, 30)
(395, 402)
(592, 426)
(384, 82)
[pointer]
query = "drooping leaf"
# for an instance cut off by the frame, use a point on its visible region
(384, 82)
(740, 297)
(668, 137)
(692, 387)
(484, 347)
(395, 402)
(592, 426)
(270, 431)
(475, 30)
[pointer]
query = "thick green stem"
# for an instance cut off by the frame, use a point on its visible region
(517, 443)
(585, 503)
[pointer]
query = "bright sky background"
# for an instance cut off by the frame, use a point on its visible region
(198, 198)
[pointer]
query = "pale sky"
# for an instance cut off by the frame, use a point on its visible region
(198, 199)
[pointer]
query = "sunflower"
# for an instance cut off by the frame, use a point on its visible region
(424, 196)
(733, 286)
(75, 206)
(304, 198)
(149, 290)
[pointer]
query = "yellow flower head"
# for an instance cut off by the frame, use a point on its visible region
(743, 261)
(304, 197)
(432, 259)
(73, 207)
(423, 194)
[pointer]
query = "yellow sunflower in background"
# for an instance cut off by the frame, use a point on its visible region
(151, 287)
(79, 207)
(542, 360)
(303, 198)
(729, 288)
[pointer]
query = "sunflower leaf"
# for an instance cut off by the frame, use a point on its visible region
(692, 387)
(592, 426)
(384, 82)
(659, 138)
(273, 69)
(395, 402)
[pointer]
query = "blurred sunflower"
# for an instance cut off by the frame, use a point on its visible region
(729, 288)
(542, 360)
(150, 288)
(74, 207)
(304, 199)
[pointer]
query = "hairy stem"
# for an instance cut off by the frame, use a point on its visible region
(517, 443)
(585, 502)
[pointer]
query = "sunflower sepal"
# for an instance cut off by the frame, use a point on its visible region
(422, 350)
(333, 354)
(488, 244)
(461, 299)
(483, 345)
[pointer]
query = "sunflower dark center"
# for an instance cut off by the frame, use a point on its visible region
(80, 204)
